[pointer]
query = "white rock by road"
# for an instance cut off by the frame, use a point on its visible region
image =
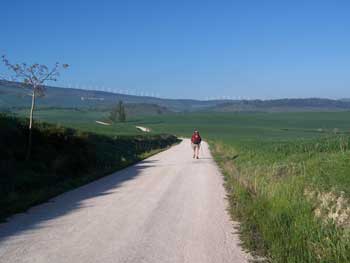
(167, 208)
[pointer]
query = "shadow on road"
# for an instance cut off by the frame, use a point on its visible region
(69, 201)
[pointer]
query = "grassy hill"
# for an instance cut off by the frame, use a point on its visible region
(283, 105)
(12, 96)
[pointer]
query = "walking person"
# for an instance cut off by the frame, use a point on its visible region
(196, 143)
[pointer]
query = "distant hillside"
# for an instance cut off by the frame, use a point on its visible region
(282, 105)
(133, 109)
(13, 96)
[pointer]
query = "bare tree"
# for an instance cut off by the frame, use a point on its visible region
(34, 78)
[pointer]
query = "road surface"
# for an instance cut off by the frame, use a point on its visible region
(167, 208)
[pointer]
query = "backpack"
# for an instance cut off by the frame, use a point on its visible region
(196, 139)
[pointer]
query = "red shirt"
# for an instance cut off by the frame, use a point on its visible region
(196, 138)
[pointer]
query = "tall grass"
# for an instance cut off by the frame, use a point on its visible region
(278, 190)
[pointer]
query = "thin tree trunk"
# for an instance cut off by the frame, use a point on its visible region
(32, 110)
(29, 146)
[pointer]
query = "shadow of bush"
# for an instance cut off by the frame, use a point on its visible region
(62, 158)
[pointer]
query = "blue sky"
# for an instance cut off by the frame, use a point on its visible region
(187, 49)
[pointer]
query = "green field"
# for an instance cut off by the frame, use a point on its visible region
(287, 174)
(84, 120)
(252, 126)
(228, 126)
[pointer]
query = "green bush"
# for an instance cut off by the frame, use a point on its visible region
(60, 155)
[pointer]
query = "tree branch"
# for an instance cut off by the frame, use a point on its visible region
(34, 75)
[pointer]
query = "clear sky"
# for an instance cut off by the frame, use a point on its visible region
(187, 49)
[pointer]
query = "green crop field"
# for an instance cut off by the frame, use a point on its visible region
(231, 126)
(252, 126)
(84, 120)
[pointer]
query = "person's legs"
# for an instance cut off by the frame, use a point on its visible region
(197, 150)
(194, 149)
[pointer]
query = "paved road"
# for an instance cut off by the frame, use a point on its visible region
(168, 208)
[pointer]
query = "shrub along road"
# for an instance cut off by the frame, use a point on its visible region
(167, 208)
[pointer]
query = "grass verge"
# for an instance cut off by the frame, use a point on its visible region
(291, 197)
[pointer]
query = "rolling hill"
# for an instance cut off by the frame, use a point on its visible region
(282, 105)
(12, 96)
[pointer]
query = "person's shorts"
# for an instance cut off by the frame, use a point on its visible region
(195, 146)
